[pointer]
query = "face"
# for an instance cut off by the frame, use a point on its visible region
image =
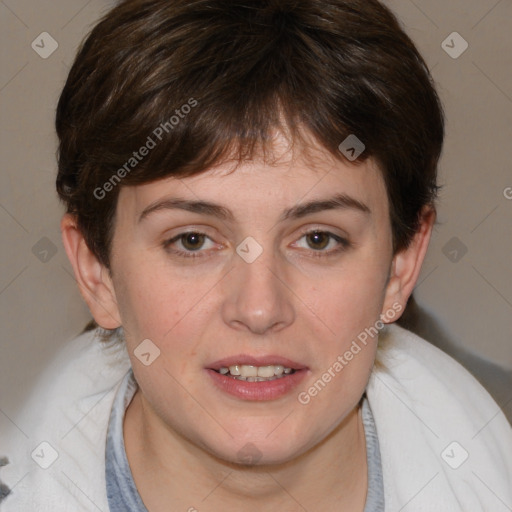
(268, 277)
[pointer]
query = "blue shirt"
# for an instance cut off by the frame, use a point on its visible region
(121, 490)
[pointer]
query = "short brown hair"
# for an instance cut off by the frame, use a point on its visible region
(217, 77)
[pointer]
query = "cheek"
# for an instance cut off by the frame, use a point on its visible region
(144, 304)
(352, 301)
(151, 299)
(353, 336)
(347, 309)
(170, 310)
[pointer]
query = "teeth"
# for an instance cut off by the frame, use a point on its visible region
(255, 379)
(234, 370)
(278, 369)
(265, 371)
(255, 373)
(248, 371)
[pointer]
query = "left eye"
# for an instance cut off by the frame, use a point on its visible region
(318, 240)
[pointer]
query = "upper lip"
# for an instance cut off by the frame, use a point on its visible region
(245, 359)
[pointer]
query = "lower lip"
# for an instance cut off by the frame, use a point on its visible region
(263, 390)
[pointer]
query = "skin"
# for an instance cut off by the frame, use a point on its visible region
(183, 435)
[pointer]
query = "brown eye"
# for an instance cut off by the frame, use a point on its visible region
(192, 241)
(319, 239)
(322, 243)
(190, 244)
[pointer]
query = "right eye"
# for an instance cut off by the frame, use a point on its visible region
(191, 241)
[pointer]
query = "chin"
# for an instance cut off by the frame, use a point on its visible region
(259, 451)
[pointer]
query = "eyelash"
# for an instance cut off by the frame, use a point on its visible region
(343, 244)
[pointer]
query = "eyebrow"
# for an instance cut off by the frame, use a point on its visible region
(337, 202)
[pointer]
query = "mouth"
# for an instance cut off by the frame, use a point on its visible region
(256, 378)
(250, 373)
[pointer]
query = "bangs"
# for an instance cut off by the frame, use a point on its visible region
(162, 89)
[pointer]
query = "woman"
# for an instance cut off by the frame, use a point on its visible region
(250, 194)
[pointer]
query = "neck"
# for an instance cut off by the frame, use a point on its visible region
(168, 468)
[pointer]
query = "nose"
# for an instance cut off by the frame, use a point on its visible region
(257, 296)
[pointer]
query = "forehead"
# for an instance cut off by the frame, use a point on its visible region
(258, 187)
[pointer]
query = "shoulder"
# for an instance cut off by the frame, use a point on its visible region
(55, 445)
(410, 360)
(85, 369)
(437, 425)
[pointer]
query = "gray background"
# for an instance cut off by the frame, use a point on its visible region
(463, 300)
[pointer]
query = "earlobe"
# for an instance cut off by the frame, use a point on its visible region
(406, 264)
(92, 276)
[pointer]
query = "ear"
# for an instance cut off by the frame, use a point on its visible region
(406, 267)
(92, 277)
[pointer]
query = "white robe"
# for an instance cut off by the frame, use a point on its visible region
(445, 444)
